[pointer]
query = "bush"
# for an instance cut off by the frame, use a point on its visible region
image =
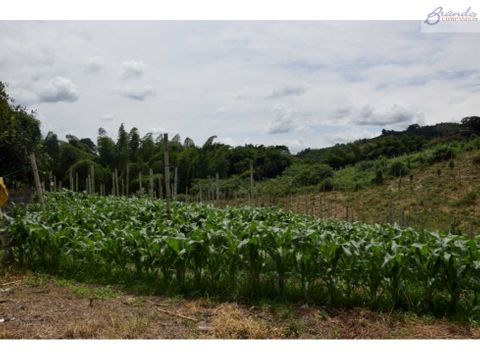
(365, 165)
(398, 168)
(378, 180)
(327, 184)
(309, 174)
(442, 153)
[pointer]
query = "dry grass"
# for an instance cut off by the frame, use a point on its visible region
(40, 307)
(233, 322)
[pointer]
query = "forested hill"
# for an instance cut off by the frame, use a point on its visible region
(134, 155)
(392, 143)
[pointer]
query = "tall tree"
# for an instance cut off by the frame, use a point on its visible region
(122, 148)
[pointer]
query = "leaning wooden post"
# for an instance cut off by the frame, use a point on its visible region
(151, 183)
(167, 172)
(36, 179)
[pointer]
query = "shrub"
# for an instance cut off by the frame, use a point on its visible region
(327, 184)
(309, 174)
(398, 168)
(378, 180)
(442, 153)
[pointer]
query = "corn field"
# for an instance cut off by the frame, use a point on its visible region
(248, 253)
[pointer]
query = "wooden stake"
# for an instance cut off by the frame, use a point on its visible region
(160, 187)
(70, 177)
(217, 187)
(36, 179)
(140, 188)
(113, 183)
(167, 172)
(151, 193)
(92, 179)
(251, 182)
(127, 179)
(117, 188)
(175, 184)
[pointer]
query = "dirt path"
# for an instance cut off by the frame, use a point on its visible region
(34, 306)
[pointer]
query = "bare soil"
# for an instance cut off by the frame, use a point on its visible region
(43, 307)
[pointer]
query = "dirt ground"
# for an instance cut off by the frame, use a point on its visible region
(43, 307)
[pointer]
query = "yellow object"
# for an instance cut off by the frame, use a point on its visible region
(3, 193)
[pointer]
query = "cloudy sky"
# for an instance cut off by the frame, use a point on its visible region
(303, 84)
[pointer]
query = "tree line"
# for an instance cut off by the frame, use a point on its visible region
(134, 156)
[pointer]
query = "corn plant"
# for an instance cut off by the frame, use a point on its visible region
(248, 252)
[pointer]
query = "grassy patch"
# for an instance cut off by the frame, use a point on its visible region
(101, 293)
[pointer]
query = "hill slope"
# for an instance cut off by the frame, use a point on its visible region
(436, 197)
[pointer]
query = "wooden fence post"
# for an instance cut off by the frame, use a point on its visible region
(151, 182)
(127, 179)
(251, 183)
(92, 179)
(117, 188)
(113, 183)
(167, 172)
(217, 187)
(36, 179)
(70, 177)
(140, 187)
(160, 187)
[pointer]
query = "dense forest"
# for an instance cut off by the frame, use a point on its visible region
(194, 164)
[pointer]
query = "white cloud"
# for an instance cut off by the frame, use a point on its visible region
(108, 117)
(393, 116)
(158, 130)
(221, 110)
(58, 89)
(133, 69)
(225, 140)
(283, 120)
(93, 65)
(333, 78)
(287, 91)
(137, 93)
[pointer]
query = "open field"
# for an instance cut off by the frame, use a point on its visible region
(248, 254)
(45, 307)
